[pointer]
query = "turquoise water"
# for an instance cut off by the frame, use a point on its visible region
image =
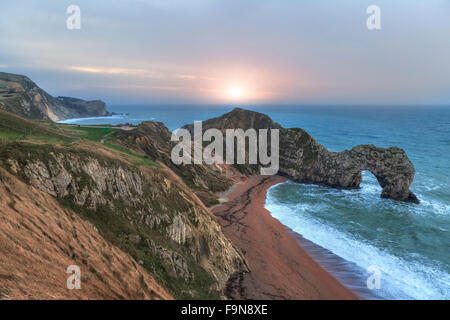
(409, 243)
(173, 116)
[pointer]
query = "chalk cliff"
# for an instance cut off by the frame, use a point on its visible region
(21, 96)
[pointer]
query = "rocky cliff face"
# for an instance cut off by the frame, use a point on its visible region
(21, 96)
(153, 138)
(85, 108)
(147, 212)
(40, 239)
(304, 160)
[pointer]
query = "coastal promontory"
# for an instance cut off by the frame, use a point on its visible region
(303, 159)
(21, 96)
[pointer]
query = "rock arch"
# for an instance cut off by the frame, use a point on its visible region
(391, 167)
(304, 160)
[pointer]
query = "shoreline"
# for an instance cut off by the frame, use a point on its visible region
(71, 121)
(280, 267)
(347, 273)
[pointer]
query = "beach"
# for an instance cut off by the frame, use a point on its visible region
(280, 267)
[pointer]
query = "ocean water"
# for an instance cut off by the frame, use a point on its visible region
(173, 116)
(408, 243)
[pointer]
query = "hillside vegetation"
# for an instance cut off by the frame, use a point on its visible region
(137, 204)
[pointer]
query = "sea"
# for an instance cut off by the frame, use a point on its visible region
(393, 250)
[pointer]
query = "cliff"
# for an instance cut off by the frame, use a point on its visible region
(83, 108)
(39, 239)
(303, 159)
(21, 96)
(153, 139)
(137, 205)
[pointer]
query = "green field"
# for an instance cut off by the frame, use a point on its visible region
(16, 129)
(93, 133)
(13, 128)
(106, 136)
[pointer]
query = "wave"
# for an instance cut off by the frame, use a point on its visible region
(434, 206)
(402, 278)
(75, 120)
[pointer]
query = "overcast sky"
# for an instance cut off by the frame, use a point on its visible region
(216, 51)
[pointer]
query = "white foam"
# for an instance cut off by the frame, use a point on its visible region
(436, 207)
(75, 120)
(401, 279)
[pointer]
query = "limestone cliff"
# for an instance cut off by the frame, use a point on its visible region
(139, 206)
(153, 138)
(21, 96)
(303, 159)
(40, 239)
(82, 108)
(148, 212)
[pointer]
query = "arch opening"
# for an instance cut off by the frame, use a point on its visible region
(370, 183)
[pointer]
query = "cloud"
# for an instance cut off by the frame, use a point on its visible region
(116, 71)
(194, 77)
(106, 70)
(186, 76)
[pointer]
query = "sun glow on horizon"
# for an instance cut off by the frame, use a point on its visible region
(236, 92)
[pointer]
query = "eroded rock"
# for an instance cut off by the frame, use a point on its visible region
(152, 201)
(303, 159)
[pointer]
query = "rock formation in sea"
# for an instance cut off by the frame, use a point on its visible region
(21, 96)
(304, 160)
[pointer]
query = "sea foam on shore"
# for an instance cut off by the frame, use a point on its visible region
(365, 230)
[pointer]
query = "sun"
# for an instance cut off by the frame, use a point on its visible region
(235, 92)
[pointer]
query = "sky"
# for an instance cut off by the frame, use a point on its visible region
(232, 51)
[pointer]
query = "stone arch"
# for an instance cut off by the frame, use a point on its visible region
(368, 173)
(304, 160)
(391, 167)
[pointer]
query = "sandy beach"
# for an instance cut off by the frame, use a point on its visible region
(280, 267)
